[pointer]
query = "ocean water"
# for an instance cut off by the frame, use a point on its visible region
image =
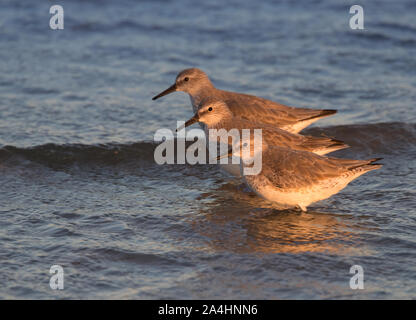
(79, 186)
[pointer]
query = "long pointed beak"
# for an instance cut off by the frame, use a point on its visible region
(225, 155)
(171, 89)
(194, 119)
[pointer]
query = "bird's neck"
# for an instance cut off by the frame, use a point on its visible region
(202, 93)
(224, 122)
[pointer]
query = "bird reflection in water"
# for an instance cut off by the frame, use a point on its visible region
(233, 219)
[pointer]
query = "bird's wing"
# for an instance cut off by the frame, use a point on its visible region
(293, 169)
(272, 135)
(278, 137)
(259, 109)
(255, 110)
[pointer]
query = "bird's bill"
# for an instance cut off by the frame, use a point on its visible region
(225, 155)
(191, 121)
(171, 89)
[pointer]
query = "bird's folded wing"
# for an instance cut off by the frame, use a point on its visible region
(259, 109)
(292, 169)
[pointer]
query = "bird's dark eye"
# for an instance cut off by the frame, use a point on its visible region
(245, 144)
(210, 109)
(186, 79)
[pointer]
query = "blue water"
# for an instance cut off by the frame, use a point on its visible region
(79, 186)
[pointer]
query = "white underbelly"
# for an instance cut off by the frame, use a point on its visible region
(284, 197)
(301, 197)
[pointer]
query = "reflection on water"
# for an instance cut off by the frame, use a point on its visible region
(237, 220)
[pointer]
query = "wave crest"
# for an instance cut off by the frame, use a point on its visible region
(379, 138)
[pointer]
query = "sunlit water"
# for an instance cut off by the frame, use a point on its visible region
(79, 186)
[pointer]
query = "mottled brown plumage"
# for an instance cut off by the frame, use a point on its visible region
(300, 178)
(290, 169)
(199, 87)
(215, 114)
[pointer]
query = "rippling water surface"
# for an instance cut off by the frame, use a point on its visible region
(79, 186)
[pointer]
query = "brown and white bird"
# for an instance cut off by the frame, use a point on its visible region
(199, 87)
(296, 178)
(215, 114)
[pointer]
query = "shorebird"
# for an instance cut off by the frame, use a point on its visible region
(296, 178)
(199, 87)
(215, 114)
